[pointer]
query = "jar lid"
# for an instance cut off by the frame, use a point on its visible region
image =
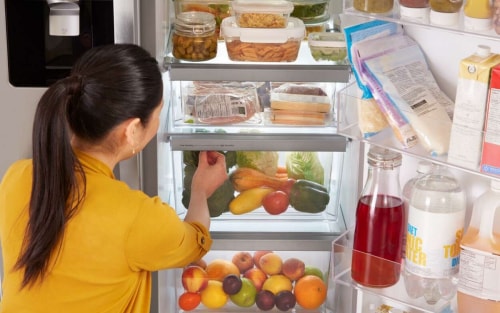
(444, 18)
(415, 14)
(384, 158)
(477, 24)
(195, 22)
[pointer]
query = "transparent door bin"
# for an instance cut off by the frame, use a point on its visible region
(349, 296)
(365, 127)
(315, 263)
(423, 19)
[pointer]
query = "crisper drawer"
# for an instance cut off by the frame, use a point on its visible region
(287, 275)
(277, 183)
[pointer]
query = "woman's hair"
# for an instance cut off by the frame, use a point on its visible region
(107, 86)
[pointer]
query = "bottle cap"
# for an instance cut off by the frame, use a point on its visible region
(444, 19)
(477, 24)
(483, 51)
(384, 158)
(420, 15)
(424, 167)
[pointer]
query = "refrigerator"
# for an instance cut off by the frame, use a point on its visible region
(320, 239)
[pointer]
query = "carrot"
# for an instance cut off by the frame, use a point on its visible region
(281, 170)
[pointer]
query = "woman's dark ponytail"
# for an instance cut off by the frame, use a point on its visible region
(55, 190)
(108, 85)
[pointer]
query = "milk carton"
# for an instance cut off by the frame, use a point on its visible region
(490, 160)
(470, 108)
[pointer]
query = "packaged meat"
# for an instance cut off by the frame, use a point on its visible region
(221, 103)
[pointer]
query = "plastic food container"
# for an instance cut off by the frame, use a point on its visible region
(317, 25)
(194, 37)
(309, 9)
(220, 9)
(262, 14)
(328, 46)
(262, 45)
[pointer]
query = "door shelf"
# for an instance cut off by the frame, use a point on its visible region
(394, 16)
(349, 126)
(353, 297)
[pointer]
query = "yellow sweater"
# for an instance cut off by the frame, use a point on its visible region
(109, 247)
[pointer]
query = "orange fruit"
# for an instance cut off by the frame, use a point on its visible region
(219, 268)
(189, 300)
(310, 292)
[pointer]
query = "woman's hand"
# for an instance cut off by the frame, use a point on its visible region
(210, 174)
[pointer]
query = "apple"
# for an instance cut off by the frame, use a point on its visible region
(245, 297)
(293, 268)
(258, 254)
(257, 276)
(201, 263)
(243, 260)
(194, 278)
(271, 263)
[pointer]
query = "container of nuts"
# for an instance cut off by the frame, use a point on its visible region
(261, 14)
(194, 37)
(263, 44)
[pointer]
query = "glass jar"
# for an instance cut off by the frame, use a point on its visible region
(378, 236)
(374, 6)
(194, 37)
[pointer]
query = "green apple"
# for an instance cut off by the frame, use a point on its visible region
(246, 296)
(312, 270)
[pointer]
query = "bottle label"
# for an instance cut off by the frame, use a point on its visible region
(479, 274)
(433, 243)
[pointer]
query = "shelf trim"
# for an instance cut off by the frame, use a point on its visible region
(258, 142)
(258, 72)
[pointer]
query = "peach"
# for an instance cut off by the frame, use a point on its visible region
(194, 278)
(243, 260)
(293, 268)
(220, 268)
(201, 263)
(271, 263)
(257, 276)
(258, 254)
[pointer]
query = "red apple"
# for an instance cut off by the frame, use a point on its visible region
(258, 254)
(256, 276)
(194, 278)
(243, 260)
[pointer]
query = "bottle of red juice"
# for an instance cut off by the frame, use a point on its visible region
(380, 222)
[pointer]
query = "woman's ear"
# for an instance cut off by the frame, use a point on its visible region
(131, 131)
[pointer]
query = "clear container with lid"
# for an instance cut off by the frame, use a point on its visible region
(308, 10)
(261, 14)
(328, 46)
(262, 45)
(194, 37)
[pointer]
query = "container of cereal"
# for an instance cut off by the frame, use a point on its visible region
(326, 46)
(261, 14)
(194, 37)
(308, 10)
(260, 44)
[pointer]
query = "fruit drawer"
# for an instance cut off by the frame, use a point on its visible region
(251, 281)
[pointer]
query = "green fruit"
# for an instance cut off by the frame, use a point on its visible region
(246, 296)
(311, 270)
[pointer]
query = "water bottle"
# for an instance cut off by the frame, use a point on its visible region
(423, 168)
(434, 230)
(479, 275)
(378, 234)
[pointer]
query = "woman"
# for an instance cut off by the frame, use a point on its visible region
(75, 239)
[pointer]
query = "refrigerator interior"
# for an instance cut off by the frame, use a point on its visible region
(443, 48)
